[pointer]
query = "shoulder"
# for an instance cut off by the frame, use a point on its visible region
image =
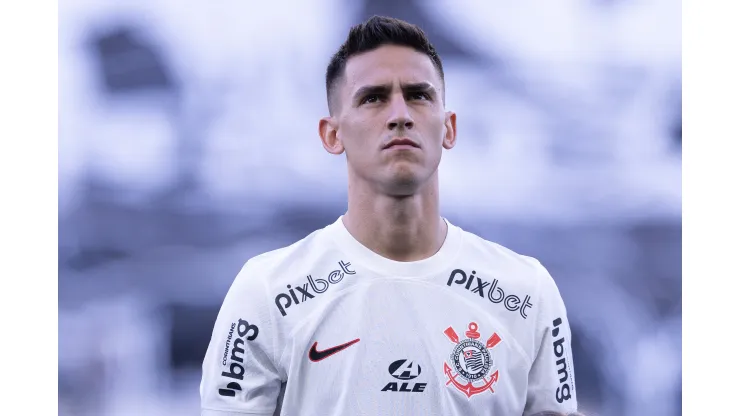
(503, 258)
(500, 252)
(514, 271)
(271, 267)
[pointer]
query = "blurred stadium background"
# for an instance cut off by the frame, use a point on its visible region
(188, 143)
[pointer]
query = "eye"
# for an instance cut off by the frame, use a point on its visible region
(419, 96)
(370, 99)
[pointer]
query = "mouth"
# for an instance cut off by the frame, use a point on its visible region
(401, 143)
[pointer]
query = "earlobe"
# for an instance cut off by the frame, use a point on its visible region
(328, 135)
(450, 138)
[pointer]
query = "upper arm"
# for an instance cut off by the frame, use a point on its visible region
(240, 375)
(551, 379)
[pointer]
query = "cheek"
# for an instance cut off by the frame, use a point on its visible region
(357, 135)
(356, 141)
(437, 129)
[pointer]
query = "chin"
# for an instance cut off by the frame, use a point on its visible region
(404, 183)
(401, 189)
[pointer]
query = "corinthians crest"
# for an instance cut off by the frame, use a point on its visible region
(471, 361)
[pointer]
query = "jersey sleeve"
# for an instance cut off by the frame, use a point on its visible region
(240, 375)
(551, 384)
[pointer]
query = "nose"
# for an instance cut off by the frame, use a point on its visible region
(399, 118)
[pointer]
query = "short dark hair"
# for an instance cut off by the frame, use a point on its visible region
(372, 34)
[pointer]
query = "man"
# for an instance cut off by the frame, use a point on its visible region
(390, 310)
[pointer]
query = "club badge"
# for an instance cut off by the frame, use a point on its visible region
(470, 362)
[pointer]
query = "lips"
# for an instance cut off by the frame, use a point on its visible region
(401, 141)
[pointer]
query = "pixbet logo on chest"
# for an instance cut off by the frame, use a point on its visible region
(311, 288)
(495, 293)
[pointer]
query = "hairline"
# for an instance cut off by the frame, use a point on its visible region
(341, 77)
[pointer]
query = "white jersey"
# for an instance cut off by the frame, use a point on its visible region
(475, 329)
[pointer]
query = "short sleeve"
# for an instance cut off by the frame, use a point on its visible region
(239, 372)
(551, 384)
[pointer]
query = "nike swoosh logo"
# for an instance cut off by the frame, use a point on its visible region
(316, 355)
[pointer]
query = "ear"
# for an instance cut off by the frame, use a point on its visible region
(450, 137)
(328, 128)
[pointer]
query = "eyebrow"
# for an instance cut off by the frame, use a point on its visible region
(386, 89)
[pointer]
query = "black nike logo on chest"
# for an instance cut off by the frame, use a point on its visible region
(315, 355)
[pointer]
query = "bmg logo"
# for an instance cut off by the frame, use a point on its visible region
(562, 393)
(244, 331)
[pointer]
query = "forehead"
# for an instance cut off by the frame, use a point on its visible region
(389, 64)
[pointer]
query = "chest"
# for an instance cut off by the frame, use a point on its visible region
(396, 344)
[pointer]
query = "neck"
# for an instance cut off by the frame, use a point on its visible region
(405, 228)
